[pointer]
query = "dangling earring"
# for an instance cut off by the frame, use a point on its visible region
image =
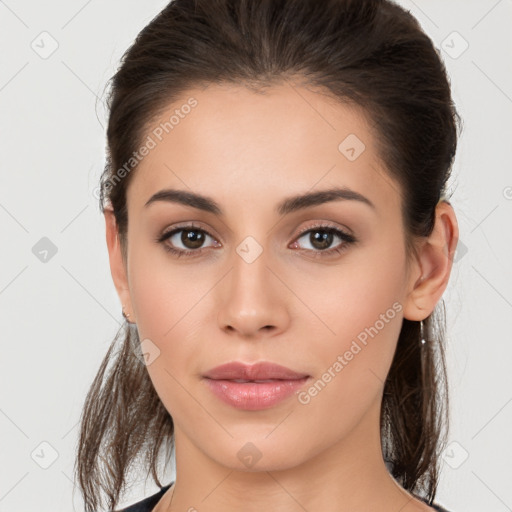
(424, 353)
(422, 336)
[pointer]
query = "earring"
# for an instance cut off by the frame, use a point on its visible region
(424, 349)
(126, 315)
(422, 337)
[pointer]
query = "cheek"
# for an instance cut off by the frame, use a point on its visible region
(172, 313)
(162, 292)
(360, 306)
(354, 362)
(165, 308)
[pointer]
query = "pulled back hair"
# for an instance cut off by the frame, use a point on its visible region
(369, 53)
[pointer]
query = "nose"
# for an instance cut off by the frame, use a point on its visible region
(252, 301)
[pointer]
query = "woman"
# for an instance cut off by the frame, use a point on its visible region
(280, 239)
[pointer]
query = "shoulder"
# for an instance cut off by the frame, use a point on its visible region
(147, 504)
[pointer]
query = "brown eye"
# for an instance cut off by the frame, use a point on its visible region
(321, 237)
(185, 240)
(192, 238)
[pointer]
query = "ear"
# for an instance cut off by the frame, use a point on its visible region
(430, 273)
(117, 264)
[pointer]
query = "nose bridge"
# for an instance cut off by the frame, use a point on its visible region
(251, 254)
(250, 301)
(250, 275)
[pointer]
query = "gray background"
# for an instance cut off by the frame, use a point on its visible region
(57, 317)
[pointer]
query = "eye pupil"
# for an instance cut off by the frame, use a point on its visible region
(324, 239)
(192, 236)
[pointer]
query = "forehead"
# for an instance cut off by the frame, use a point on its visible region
(259, 147)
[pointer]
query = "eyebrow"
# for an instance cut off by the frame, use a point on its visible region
(288, 205)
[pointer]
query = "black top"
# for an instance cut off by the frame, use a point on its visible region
(149, 503)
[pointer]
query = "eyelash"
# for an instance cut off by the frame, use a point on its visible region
(328, 228)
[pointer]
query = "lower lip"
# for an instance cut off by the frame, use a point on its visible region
(254, 396)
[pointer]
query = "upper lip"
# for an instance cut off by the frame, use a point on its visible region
(258, 371)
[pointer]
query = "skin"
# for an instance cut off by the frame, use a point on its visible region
(248, 152)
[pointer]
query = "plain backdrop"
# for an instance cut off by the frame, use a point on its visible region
(58, 307)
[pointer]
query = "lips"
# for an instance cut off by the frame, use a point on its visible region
(258, 372)
(254, 396)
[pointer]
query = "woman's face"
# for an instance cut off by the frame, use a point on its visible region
(264, 282)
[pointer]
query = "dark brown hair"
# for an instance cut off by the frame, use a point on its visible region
(370, 53)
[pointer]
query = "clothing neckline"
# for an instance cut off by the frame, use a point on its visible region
(165, 488)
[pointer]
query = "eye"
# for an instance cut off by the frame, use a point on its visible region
(190, 236)
(321, 237)
(192, 239)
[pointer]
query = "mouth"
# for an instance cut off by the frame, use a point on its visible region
(254, 395)
(254, 387)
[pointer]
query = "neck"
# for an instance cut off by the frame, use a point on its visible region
(348, 476)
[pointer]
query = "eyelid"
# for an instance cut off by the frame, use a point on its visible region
(186, 225)
(327, 224)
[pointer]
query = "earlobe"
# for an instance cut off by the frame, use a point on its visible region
(435, 259)
(117, 264)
